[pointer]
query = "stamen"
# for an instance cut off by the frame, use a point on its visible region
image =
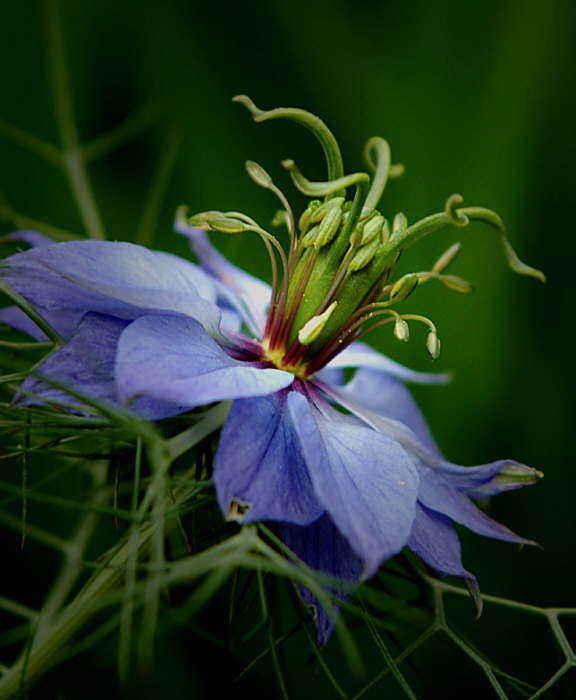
(263, 179)
(278, 336)
(403, 288)
(341, 257)
(446, 258)
(432, 341)
(456, 284)
(315, 325)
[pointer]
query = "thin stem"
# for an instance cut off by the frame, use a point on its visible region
(72, 567)
(36, 145)
(73, 157)
(19, 221)
(158, 187)
(119, 135)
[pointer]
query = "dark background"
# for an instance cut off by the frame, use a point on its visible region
(473, 98)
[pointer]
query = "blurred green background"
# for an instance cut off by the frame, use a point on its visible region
(475, 98)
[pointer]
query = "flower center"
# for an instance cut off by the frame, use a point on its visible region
(335, 284)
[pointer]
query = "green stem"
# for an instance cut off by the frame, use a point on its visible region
(73, 157)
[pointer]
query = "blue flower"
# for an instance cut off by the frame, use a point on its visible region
(348, 469)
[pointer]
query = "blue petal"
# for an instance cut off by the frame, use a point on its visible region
(511, 476)
(435, 541)
(365, 481)
(64, 322)
(33, 238)
(442, 490)
(248, 295)
(333, 376)
(443, 486)
(321, 547)
(389, 427)
(385, 395)
(259, 465)
(204, 285)
(86, 365)
(361, 355)
(172, 358)
(119, 279)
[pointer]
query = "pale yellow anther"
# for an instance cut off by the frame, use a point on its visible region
(403, 287)
(401, 330)
(446, 258)
(315, 325)
(328, 226)
(433, 345)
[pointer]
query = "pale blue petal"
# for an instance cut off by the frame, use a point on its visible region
(172, 358)
(511, 476)
(32, 238)
(333, 376)
(208, 288)
(361, 355)
(443, 486)
(366, 482)
(435, 541)
(86, 365)
(259, 470)
(248, 295)
(119, 279)
(390, 427)
(196, 275)
(385, 395)
(321, 547)
(64, 322)
(442, 490)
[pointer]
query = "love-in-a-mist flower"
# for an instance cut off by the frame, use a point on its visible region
(349, 469)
